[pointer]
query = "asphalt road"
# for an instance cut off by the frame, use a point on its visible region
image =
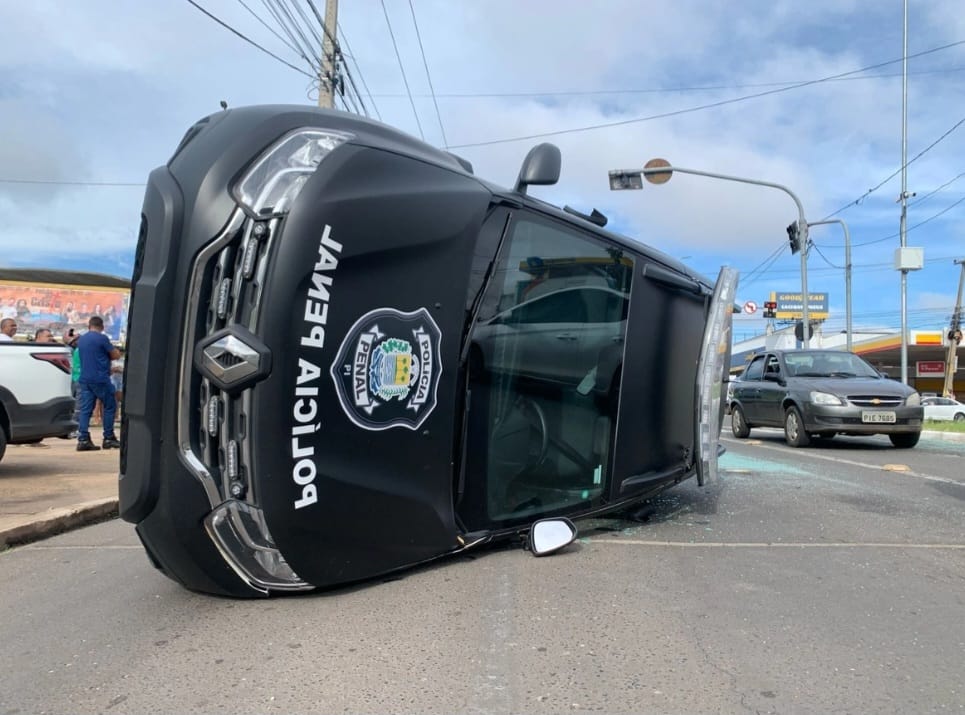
(806, 581)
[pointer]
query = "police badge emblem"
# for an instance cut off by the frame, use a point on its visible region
(387, 369)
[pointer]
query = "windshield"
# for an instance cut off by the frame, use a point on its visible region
(544, 375)
(827, 363)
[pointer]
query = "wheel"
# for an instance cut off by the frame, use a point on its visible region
(3, 441)
(959, 417)
(794, 428)
(905, 440)
(738, 424)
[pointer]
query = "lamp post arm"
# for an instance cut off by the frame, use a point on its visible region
(801, 222)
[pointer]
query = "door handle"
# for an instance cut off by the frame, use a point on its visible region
(565, 336)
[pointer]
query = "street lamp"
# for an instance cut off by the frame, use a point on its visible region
(659, 171)
(847, 275)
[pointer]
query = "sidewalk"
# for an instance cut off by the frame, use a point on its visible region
(52, 488)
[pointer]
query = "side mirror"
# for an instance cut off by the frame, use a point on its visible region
(541, 166)
(549, 535)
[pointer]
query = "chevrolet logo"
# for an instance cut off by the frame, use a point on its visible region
(875, 401)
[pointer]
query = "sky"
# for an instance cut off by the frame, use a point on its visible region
(94, 94)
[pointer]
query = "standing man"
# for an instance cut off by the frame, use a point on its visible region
(96, 353)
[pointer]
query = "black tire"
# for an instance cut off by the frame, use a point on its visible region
(3, 442)
(959, 417)
(738, 424)
(794, 432)
(905, 440)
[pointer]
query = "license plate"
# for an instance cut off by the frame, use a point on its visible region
(875, 417)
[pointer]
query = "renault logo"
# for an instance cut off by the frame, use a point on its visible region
(233, 359)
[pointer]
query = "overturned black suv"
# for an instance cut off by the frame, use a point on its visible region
(349, 355)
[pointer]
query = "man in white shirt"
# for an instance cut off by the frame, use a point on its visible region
(8, 328)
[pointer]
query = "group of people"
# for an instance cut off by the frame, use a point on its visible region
(98, 374)
(8, 330)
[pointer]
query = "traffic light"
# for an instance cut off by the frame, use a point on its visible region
(770, 309)
(794, 236)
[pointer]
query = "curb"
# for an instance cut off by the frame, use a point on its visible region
(57, 521)
(945, 436)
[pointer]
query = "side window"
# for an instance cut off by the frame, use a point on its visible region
(773, 367)
(755, 370)
(546, 355)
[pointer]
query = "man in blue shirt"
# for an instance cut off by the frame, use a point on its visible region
(96, 353)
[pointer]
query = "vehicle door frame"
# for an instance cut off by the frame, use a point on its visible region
(747, 392)
(773, 390)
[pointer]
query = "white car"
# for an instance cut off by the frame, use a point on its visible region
(943, 409)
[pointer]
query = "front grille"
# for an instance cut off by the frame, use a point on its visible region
(883, 401)
(224, 294)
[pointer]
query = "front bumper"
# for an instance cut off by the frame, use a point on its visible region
(54, 418)
(848, 419)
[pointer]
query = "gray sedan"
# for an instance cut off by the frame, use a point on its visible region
(821, 393)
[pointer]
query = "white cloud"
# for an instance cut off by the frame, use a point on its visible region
(102, 91)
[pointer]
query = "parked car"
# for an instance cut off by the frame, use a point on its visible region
(821, 393)
(35, 397)
(338, 368)
(557, 336)
(943, 409)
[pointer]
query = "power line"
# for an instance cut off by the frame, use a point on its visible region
(308, 24)
(247, 39)
(661, 90)
(351, 56)
(425, 64)
(690, 110)
(269, 27)
(897, 171)
(935, 191)
(56, 182)
(907, 230)
(402, 69)
(762, 267)
(293, 28)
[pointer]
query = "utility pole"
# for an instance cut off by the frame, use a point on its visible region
(902, 231)
(328, 78)
(954, 337)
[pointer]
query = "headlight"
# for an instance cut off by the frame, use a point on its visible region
(913, 400)
(270, 186)
(825, 398)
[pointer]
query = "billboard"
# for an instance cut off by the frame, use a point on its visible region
(61, 307)
(930, 368)
(791, 307)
